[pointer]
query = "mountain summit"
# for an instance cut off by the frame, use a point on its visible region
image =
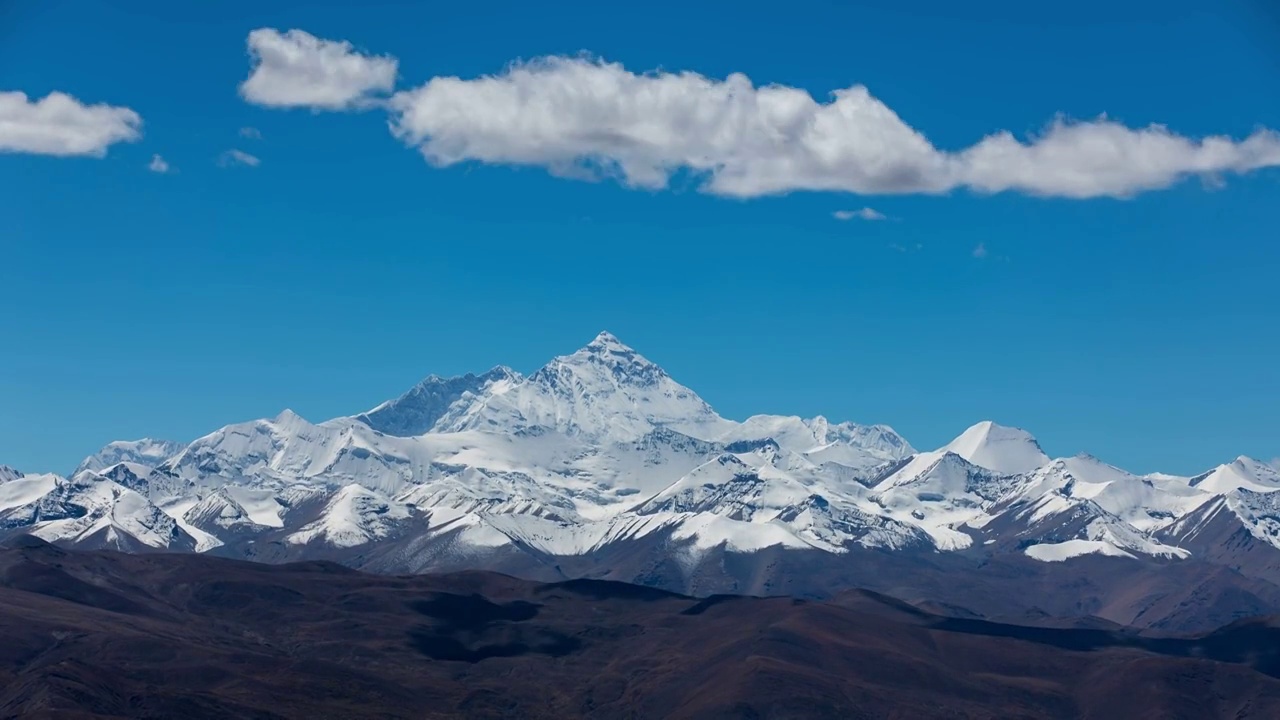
(605, 391)
(996, 447)
(1244, 473)
(626, 366)
(608, 343)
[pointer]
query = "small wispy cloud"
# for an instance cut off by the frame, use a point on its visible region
(238, 157)
(980, 252)
(158, 165)
(905, 248)
(865, 213)
(251, 133)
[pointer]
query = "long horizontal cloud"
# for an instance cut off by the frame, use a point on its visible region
(58, 124)
(749, 141)
(1102, 157)
(297, 69)
(583, 117)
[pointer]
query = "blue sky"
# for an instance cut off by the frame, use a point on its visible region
(343, 267)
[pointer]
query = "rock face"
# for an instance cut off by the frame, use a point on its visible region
(601, 463)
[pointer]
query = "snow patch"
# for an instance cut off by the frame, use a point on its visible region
(177, 511)
(25, 490)
(1059, 552)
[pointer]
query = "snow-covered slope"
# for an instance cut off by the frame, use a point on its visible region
(354, 515)
(752, 490)
(601, 449)
(1143, 503)
(859, 447)
(1242, 512)
(998, 448)
(23, 491)
(940, 492)
(147, 452)
(88, 510)
(604, 392)
(417, 411)
(1244, 473)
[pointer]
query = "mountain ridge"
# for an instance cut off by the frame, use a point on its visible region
(601, 452)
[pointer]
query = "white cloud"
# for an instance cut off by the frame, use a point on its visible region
(865, 213)
(1105, 158)
(251, 133)
(59, 124)
(297, 69)
(980, 251)
(158, 165)
(238, 157)
(577, 116)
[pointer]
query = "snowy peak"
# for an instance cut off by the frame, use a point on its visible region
(939, 491)
(90, 511)
(218, 511)
(127, 474)
(147, 452)
(289, 421)
(608, 354)
(1244, 473)
(844, 448)
(879, 438)
(354, 515)
(1087, 468)
(1006, 450)
(1081, 505)
(814, 435)
(608, 344)
(7, 473)
(605, 392)
(704, 489)
(419, 410)
(944, 476)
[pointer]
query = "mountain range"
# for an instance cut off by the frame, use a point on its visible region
(601, 465)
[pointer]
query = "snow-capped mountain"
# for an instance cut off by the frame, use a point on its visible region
(941, 492)
(602, 453)
(858, 447)
(354, 515)
(1005, 450)
(90, 510)
(1244, 473)
(1081, 505)
(147, 452)
(417, 411)
(604, 392)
